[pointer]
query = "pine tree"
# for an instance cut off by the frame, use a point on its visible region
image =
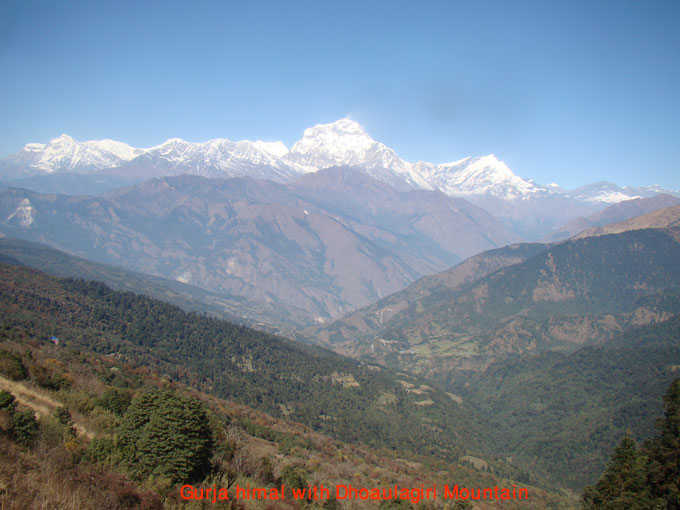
(623, 485)
(165, 435)
(664, 451)
(648, 479)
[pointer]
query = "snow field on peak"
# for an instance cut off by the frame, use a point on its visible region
(340, 143)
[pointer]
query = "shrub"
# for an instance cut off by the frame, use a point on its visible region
(293, 478)
(46, 378)
(52, 433)
(100, 449)
(266, 471)
(7, 401)
(115, 400)
(11, 366)
(63, 416)
(25, 428)
(103, 421)
(79, 401)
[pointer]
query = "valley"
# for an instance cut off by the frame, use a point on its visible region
(461, 343)
(348, 255)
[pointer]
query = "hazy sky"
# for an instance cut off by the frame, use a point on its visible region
(563, 91)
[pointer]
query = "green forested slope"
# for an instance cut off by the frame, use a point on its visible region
(564, 413)
(646, 478)
(331, 393)
(575, 293)
(113, 436)
(366, 323)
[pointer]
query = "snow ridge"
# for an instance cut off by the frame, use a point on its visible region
(65, 154)
(341, 143)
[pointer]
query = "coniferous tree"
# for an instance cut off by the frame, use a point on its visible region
(623, 485)
(165, 435)
(647, 479)
(25, 427)
(664, 451)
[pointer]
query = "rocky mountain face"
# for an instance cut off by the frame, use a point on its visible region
(326, 244)
(531, 209)
(275, 319)
(543, 297)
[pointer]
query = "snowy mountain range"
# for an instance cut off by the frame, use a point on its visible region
(67, 166)
(64, 154)
(341, 143)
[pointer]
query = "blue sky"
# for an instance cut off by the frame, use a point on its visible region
(568, 92)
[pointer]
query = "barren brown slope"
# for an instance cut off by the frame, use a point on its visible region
(613, 214)
(668, 217)
(326, 245)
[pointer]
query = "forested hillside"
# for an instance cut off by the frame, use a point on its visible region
(85, 431)
(580, 292)
(333, 394)
(563, 414)
(646, 478)
(189, 298)
(552, 416)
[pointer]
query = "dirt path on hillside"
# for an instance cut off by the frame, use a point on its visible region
(37, 400)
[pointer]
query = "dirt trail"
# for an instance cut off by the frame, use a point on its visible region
(37, 400)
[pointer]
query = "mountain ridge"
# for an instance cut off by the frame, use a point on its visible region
(667, 217)
(615, 213)
(545, 297)
(189, 298)
(299, 244)
(341, 143)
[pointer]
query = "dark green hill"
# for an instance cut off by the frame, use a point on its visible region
(579, 292)
(563, 414)
(333, 394)
(364, 325)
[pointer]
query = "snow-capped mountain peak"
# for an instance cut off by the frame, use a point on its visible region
(66, 154)
(345, 143)
(121, 150)
(219, 152)
(483, 175)
(338, 143)
(609, 193)
(219, 157)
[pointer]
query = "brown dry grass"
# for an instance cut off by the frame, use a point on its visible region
(48, 480)
(42, 403)
(39, 400)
